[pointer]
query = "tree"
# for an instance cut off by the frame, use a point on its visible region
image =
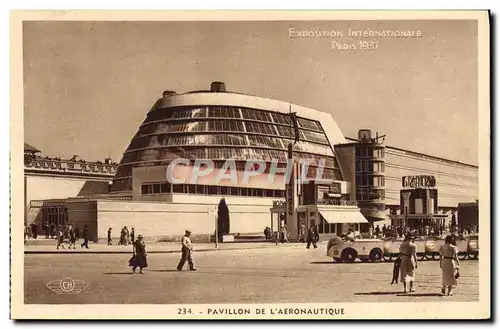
(223, 225)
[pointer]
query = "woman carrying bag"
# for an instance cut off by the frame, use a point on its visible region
(448, 261)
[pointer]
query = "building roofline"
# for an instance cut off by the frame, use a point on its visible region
(422, 154)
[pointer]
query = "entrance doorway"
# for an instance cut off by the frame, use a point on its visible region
(53, 217)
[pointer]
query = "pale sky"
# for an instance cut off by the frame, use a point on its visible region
(89, 85)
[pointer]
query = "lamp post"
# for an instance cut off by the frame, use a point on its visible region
(214, 213)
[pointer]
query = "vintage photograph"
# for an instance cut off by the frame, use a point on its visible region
(233, 166)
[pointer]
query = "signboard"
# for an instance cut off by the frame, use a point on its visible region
(290, 198)
(335, 188)
(418, 181)
(279, 203)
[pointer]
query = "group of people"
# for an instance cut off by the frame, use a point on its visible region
(139, 256)
(126, 237)
(406, 264)
(68, 234)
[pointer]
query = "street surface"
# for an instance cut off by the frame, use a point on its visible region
(272, 275)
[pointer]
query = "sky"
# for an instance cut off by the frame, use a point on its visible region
(89, 85)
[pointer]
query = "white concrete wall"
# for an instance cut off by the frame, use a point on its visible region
(53, 187)
(81, 213)
(455, 183)
(247, 215)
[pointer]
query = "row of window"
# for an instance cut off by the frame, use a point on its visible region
(369, 194)
(164, 188)
(373, 152)
(312, 172)
(229, 126)
(369, 180)
(229, 112)
(221, 153)
(156, 141)
(370, 166)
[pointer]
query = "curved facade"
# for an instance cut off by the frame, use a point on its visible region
(220, 125)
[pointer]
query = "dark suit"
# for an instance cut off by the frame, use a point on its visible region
(85, 238)
(312, 237)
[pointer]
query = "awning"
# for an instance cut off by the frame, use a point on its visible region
(349, 217)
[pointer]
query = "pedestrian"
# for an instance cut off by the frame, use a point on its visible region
(139, 258)
(46, 229)
(302, 232)
(267, 233)
(370, 231)
(384, 231)
(377, 231)
(72, 237)
(127, 236)
(448, 261)
(408, 251)
(132, 235)
(283, 231)
(312, 236)
(110, 241)
(85, 236)
(34, 229)
(122, 237)
(187, 252)
(51, 230)
(60, 238)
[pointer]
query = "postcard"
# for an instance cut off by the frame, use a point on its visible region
(250, 165)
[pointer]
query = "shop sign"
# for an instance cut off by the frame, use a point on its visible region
(279, 203)
(418, 181)
(289, 198)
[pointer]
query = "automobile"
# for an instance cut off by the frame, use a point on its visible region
(468, 247)
(348, 250)
(428, 247)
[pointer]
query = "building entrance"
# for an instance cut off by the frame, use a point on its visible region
(53, 217)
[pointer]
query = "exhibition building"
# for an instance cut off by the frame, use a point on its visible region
(336, 182)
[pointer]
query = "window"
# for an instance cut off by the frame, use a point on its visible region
(309, 124)
(281, 118)
(369, 166)
(144, 189)
(212, 190)
(178, 188)
(165, 188)
(358, 165)
(313, 136)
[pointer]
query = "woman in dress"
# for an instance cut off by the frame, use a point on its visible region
(408, 251)
(448, 260)
(139, 260)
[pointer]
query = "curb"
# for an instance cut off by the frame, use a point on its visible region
(66, 251)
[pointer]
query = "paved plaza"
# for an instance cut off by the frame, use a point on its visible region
(278, 274)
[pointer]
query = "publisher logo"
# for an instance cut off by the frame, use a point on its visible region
(67, 286)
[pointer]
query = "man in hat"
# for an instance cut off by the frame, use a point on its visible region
(187, 252)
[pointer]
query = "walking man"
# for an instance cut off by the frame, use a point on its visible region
(60, 238)
(312, 235)
(187, 252)
(132, 235)
(85, 237)
(110, 241)
(72, 237)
